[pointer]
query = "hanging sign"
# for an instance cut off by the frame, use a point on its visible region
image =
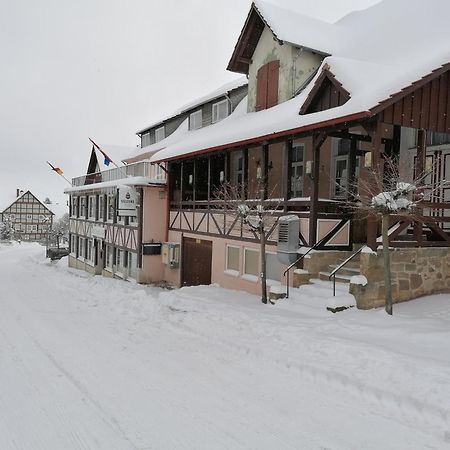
(127, 204)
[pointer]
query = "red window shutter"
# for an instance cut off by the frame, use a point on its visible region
(261, 87)
(272, 83)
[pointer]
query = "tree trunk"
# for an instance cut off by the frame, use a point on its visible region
(387, 264)
(263, 265)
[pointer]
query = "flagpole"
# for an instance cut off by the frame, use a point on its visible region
(122, 168)
(101, 151)
(60, 174)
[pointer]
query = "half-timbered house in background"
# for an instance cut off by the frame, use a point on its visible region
(30, 219)
(322, 105)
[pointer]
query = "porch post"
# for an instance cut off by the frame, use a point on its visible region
(377, 167)
(287, 172)
(318, 140)
(419, 171)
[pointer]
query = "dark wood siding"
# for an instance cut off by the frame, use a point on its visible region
(428, 106)
(327, 96)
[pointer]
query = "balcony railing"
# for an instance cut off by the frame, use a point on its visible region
(141, 169)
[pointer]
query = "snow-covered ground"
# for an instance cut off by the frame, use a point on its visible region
(92, 363)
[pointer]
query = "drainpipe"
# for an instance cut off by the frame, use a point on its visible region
(294, 72)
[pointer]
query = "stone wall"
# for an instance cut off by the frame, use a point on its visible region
(319, 261)
(415, 272)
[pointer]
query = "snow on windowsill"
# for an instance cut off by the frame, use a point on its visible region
(249, 277)
(233, 273)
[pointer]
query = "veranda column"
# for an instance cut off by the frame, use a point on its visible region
(419, 170)
(318, 140)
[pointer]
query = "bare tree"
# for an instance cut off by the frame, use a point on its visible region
(6, 229)
(254, 213)
(384, 194)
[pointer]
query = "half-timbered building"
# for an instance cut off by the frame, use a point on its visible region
(117, 220)
(326, 103)
(30, 219)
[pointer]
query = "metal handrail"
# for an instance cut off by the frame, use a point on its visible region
(297, 261)
(333, 273)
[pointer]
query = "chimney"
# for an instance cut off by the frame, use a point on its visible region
(17, 192)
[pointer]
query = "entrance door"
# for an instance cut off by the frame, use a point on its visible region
(197, 259)
(98, 256)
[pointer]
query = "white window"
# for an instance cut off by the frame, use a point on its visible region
(110, 207)
(12, 217)
(132, 264)
(74, 209)
(109, 256)
(41, 217)
(81, 247)
(34, 228)
(251, 262)
(219, 110)
(29, 217)
(233, 256)
(91, 206)
(160, 134)
(73, 244)
(145, 139)
(18, 227)
(83, 206)
(29, 228)
(101, 199)
(297, 170)
(90, 250)
(195, 120)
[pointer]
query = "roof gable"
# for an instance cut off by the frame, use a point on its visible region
(24, 197)
(326, 93)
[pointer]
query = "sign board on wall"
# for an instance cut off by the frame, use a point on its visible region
(127, 204)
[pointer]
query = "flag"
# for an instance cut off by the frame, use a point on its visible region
(56, 169)
(107, 160)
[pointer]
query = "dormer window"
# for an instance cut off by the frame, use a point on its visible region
(219, 111)
(145, 139)
(267, 85)
(160, 134)
(195, 120)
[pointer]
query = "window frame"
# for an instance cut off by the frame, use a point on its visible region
(216, 109)
(193, 117)
(252, 276)
(160, 134)
(230, 270)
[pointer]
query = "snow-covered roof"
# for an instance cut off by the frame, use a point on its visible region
(288, 24)
(11, 202)
(130, 181)
(379, 52)
(219, 92)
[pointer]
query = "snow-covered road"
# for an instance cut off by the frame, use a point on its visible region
(91, 363)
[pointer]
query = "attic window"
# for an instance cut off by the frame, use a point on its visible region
(219, 111)
(159, 134)
(145, 139)
(195, 120)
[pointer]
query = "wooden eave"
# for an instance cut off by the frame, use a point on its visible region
(294, 133)
(316, 91)
(393, 98)
(247, 42)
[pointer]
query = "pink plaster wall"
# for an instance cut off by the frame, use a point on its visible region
(154, 229)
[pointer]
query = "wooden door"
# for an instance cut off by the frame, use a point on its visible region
(196, 264)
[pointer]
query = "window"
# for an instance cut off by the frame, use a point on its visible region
(110, 207)
(101, 206)
(145, 139)
(267, 85)
(237, 168)
(83, 206)
(341, 152)
(195, 120)
(91, 207)
(159, 134)
(89, 250)
(73, 244)
(74, 207)
(81, 247)
(34, 228)
(109, 256)
(219, 110)
(12, 217)
(297, 170)
(232, 263)
(29, 228)
(132, 264)
(29, 217)
(251, 262)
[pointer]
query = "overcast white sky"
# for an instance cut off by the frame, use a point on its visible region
(71, 70)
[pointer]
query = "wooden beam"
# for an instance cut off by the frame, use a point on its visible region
(351, 136)
(318, 140)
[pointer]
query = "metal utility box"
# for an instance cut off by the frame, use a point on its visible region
(170, 252)
(288, 239)
(151, 248)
